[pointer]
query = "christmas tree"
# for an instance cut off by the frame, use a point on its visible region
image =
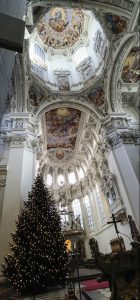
(39, 257)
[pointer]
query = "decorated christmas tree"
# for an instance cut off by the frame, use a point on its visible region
(39, 257)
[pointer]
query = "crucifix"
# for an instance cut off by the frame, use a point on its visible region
(114, 222)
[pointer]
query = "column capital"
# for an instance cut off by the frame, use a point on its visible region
(14, 140)
(117, 138)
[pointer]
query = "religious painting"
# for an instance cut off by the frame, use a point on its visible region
(63, 83)
(97, 96)
(58, 20)
(59, 154)
(62, 127)
(131, 66)
(36, 96)
(117, 24)
(87, 72)
(61, 27)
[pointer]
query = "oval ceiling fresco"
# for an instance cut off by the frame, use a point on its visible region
(61, 27)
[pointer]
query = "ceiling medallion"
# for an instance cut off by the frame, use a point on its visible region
(61, 27)
(59, 154)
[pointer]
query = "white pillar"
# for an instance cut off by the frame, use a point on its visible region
(86, 228)
(121, 166)
(20, 174)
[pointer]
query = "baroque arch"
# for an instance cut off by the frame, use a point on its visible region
(67, 103)
(115, 72)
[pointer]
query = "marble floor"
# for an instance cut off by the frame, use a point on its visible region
(102, 294)
(59, 295)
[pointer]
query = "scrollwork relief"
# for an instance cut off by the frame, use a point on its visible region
(14, 140)
(2, 182)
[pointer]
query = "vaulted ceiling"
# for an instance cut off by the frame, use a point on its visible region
(80, 65)
(84, 56)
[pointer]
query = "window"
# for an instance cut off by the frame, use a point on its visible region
(72, 178)
(100, 44)
(89, 214)
(49, 179)
(109, 198)
(85, 167)
(77, 210)
(39, 52)
(81, 173)
(60, 180)
(80, 55)
(100, 205)
(113, 193)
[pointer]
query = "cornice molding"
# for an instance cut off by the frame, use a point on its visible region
(123, 5)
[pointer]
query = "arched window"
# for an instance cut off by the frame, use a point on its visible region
(39, 52)
(60, 180)
(77, 211)
(72, 178)
(49, 179)
(100, 204)
(81, 173)
(79, 55)
(89, 214)
(85, 166)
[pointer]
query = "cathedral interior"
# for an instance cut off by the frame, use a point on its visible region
(69, 109)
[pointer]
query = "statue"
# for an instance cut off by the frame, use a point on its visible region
(93, 247)
(78, 223)
(134, 231)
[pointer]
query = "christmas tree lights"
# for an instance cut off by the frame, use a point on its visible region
(39, 257)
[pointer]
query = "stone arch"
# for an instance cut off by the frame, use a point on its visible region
(116, 69)
(80, 106)
(86, 107)
(122, 7)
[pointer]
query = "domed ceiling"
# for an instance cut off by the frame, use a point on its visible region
(61, 27)
(68, 49)
(72, 54)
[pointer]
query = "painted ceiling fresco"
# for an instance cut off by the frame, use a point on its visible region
(61, 27)
(131, 67)
(97, 96)
(62, 126)
(117, 24)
